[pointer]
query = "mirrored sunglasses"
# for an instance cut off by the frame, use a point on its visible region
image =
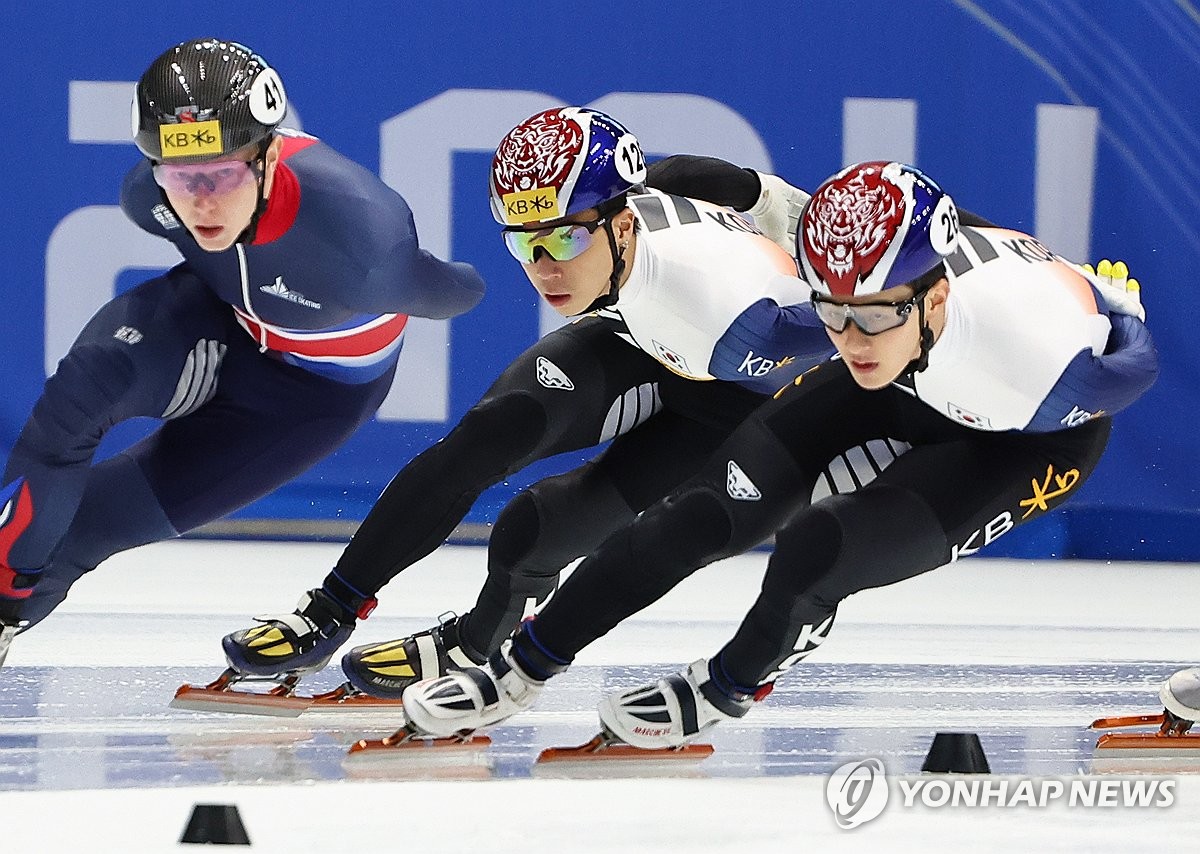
(203, 179)
(870, 318)
(562, 243)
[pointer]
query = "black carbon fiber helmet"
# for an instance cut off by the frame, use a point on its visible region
(204, 99)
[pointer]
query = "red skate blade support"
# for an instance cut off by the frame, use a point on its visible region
(1150, 744)
(401, 743)
(196, 699)
(597, 750)
(219, 696)
(342, 699)
(1127, 720)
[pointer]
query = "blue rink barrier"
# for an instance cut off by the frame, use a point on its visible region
(1079, 123)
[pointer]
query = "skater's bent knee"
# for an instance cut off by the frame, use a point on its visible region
(517, 530)
(694, 526)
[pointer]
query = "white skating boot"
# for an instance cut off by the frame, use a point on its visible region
(1180, 694)
(481, 696)
(672, 712)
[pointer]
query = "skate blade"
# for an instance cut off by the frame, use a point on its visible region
(1154, 744)
(194, 698)
(1127, 720)
(405, 757)
(345, 699)
(1146, 753)
(403, 744)
(600, 749)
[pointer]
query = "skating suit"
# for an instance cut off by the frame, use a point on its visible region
(1005, 424)
(710, 321)
(1024, 342)
(261, 358)
(708, 303)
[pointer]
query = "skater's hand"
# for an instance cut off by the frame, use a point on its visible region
(777, 211)
(10, 607)
(1121, 292)
(15, 588)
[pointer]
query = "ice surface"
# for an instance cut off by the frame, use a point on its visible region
(1024, 653)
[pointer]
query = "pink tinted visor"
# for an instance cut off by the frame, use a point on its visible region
(203, 179)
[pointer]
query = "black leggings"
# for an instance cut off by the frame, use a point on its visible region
(956, 490)
(575, 388)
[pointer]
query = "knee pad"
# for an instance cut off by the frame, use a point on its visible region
(690, 529)
(852, 542)
(810, 548)
(555, 521)
(517, 530)
(119, 510)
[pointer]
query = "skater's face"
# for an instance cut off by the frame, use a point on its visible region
(216, 200)
(568, 260)
(876, 360)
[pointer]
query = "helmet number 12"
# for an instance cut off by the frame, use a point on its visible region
(630, 162)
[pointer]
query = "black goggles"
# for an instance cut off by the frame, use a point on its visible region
(871, 318)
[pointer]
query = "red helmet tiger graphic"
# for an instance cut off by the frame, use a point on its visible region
(868, 228)
(537, 153)
(560, 162)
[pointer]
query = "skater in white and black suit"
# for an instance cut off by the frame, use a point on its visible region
(690, 319)
(998, 363)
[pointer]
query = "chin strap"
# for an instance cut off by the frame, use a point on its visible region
(610, 296)
(921, 362)
(260, 205)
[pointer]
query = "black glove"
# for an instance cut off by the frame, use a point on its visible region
(15, 587)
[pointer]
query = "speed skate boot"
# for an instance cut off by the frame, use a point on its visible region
(1180, 697)
(386, 669)
(292, 644)
(466, 700)
(673, 711)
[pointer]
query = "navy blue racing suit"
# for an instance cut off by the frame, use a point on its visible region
(261, 359)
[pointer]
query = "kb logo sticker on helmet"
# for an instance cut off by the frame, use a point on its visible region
(205, 99)
(190, 138)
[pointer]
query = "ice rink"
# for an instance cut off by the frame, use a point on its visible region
(1025, 654)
